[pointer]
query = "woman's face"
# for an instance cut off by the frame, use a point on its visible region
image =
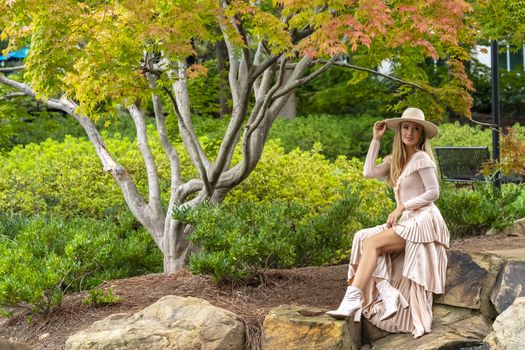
(411, 133)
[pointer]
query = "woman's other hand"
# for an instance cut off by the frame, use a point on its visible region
(392, 218)
(379, 130)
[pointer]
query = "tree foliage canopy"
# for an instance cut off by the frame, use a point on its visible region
(88, 56)
(94, 51)
(501, 20)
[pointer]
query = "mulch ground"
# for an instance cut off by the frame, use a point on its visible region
(313, 286)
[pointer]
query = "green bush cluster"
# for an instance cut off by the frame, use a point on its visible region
(455, 134)
(339, 135)
(240, 241)
(63, 182)
(41, 258)
(66, 178)
(101, 297)
(309, 179)
(473, 211)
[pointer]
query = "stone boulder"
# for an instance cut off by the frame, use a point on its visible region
(452, 328)
(509, 328)
(295, 327)
(471, 277)
(11, 345)
(172, 322)
(510, 283)
(516, 229)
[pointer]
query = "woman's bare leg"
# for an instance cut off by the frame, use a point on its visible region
(385, 242)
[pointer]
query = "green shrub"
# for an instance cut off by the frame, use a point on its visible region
(455, 134)
(240, 240)
(100, 297)
(47, 257)
(67, 178)
(339, 135)
(472, 212)
(309, 179)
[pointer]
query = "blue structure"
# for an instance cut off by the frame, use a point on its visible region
(18, 55)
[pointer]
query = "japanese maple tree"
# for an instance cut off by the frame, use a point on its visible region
(88, 56)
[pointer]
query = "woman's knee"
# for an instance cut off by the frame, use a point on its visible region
(370, 244)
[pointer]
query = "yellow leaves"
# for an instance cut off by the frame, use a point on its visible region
(263, 25)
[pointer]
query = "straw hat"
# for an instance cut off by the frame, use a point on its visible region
(413, 115)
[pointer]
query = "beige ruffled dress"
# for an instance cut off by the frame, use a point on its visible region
(420, 270)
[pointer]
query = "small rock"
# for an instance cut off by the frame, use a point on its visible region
(43, 336)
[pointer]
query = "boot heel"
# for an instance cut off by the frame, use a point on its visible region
(357, 315)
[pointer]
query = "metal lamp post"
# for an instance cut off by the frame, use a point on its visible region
(495, 109)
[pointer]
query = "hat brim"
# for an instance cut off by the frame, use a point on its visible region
(431, 129)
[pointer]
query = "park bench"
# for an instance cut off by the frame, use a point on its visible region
(463, 164)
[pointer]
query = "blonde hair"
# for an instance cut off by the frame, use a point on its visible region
(399, 154)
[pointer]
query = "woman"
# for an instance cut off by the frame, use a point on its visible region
(395, 267)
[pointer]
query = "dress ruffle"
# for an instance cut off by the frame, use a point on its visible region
(423, 225)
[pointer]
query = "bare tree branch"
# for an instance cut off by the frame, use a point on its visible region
(251, 127)
(11, 69)
(232, 73)
(132, 196)
(257, 59)
(12, 95)
(147, 155)
(181, 103)
(171, 152)
(295, 83)
(261, 68)
(246, 63)
(397, 80)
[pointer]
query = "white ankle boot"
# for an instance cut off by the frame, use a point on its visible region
(391, 298)
(351, 302)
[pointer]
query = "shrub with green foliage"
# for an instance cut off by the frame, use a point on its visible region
(339, 135)
(239, 241)
(66, 178)
(99, 297)
(309, 179)
(41, 258)
(472, 212)
(455, 134)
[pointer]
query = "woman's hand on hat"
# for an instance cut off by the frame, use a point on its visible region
(379, 130)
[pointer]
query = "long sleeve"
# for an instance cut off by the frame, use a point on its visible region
(371, 170)
(431, 193)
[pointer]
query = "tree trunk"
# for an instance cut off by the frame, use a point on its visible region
(176, 247)
(289, 110)
(222, 71)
